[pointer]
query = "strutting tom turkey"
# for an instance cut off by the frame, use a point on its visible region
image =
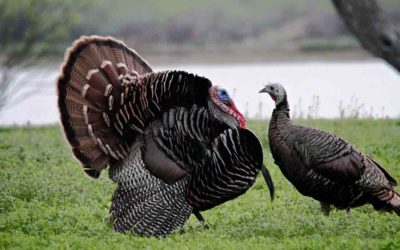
(174, 143)
(324, 166)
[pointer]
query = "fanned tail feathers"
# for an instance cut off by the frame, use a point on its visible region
(107, 95)
(89, 89)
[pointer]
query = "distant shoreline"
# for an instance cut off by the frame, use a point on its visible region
(218, 57)
(209, 57)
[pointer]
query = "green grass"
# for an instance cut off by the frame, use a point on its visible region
(47, 202)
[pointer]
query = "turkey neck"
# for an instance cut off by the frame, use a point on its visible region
(280, 119)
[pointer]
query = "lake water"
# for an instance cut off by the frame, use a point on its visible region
(315, 89)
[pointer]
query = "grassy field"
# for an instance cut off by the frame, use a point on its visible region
(47, 202)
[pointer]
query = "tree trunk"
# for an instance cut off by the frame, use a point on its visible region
(372, 28)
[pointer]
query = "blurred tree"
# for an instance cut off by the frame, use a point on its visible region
(372, 27)
(29, 30)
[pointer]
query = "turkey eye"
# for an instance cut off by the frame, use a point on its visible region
(272, 88)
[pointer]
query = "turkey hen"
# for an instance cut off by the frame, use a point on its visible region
(174, 143)
(324, 166)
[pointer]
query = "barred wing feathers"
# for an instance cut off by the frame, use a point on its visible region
(222, 163)
(232, 167)
(330, 160)
(328, 154)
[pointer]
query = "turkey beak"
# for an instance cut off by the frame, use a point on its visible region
(264, 90)
(267, 89)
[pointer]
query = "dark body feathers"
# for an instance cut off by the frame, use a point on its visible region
(327, 168)
(169, 155)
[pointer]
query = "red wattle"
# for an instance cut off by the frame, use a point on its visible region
(242, 120)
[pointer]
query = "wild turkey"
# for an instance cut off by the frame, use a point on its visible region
(175, 144)
(324, 166)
